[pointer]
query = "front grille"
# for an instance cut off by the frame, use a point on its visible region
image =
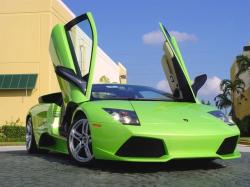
(228, 146)
(142, 147)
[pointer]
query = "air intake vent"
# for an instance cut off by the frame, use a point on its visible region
(142, 147)
(228, 146)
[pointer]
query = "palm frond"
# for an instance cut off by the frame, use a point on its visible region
(222, 101)
(243, 63)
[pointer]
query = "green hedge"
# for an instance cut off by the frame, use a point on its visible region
(12, 133)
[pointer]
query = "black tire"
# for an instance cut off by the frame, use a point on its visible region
(80, 136)
(31, 146)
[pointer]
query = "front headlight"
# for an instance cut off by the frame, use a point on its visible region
(126, 117)
(222, 116)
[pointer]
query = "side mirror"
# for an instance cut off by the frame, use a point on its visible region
(199, 81)
(70, 76)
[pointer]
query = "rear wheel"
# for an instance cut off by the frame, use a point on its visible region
(31, 146)
(80, 142)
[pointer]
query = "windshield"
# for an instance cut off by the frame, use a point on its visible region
(128, 92)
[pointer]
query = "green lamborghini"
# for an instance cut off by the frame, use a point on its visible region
(119, 121)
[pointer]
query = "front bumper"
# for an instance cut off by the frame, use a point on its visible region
(107, 144)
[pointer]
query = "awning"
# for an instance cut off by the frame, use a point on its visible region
(17, 81)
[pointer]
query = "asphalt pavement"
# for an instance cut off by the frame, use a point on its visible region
(17, 168)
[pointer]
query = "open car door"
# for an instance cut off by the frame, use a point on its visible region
(175, 70)
(73, 53)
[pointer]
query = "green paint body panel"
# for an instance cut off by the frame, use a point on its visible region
(171, 41)
(61, 55)
(198, 137)
(176, 51)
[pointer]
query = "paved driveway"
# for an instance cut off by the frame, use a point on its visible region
(17, 168)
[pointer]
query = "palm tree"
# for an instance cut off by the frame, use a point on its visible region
(228, 88)
(226, 99)
(243, 63)
(223, 101)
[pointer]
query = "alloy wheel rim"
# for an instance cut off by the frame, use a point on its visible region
(80, 142)
(28, 135)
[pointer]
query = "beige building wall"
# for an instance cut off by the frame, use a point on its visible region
(242, 105)
(24, 49)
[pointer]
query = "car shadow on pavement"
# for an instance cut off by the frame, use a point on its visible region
(174, 165)
(128, 167)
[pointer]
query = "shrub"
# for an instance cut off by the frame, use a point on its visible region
(12, 133)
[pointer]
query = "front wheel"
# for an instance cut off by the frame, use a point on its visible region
(80, 142)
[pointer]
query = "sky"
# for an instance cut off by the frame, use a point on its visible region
(210, 35)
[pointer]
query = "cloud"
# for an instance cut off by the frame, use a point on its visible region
(153, 38)
(156, 37)
(183, 36)
(163, 85)
(211, 87)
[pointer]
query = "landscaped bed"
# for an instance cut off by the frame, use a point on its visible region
(245, 140)
(11, 143)
(12, 135)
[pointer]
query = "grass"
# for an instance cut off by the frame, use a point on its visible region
(11, 143)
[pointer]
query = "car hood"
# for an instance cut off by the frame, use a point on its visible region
(178, 115)
(164, 116)
(161, 112)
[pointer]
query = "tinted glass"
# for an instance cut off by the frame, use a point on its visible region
(127, 92)
(81, 37)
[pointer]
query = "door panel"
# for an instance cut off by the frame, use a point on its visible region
(74, 46)
(175, 69)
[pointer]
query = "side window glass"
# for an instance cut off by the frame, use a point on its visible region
(80, 39)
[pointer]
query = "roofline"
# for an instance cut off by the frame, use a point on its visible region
(66, 7)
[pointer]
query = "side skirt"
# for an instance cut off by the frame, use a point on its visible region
(52, 143)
